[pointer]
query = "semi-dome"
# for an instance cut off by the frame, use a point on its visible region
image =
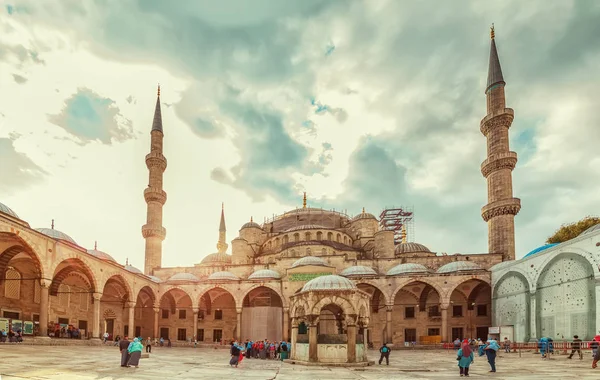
(364, 215)
(458, 266)
(217, 257)
(101, 255)
(305, 227)
(7, 210)
(183, 277)
(407, 268)
(404, 248)
(155, 279)
(132, 269)
(309, 260)
(540, 249)
(594, 228)
(56, 234)
(329, 282)
(223, 276)
(263, 274)
(358, 270)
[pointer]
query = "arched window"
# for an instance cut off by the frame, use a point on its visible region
(345, 240)
(330, 236)
(286, 239)
(296, 237)
(307, 236)
(12, 284)
(339, 238)
(277, 242)
(319, 235)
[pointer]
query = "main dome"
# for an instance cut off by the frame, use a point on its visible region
(183, 276)
(7, 210)
(217, 257)
(309, 260)
(329, 282)
(358, 270)
(458, 266)
(263, 274)
(305, 227)
(223, 276)
(404, 248)
(407, 268)
(56, 234)
(101, 255)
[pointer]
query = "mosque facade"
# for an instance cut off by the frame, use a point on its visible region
(415, 295)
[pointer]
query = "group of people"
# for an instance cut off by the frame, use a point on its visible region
(466, 356)
(260, 349)
(11, 336)
(131, 352)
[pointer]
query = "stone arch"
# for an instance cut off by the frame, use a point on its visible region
(588, 256)
(172, 287)
(21, 244)
(150, 291)
(377, 286)
(424, 280)
(340, 301)
(514, 271)
(511, 304)
(109, 314)
(121, 280)
(207, 289)
(72, 265)
(274, 288)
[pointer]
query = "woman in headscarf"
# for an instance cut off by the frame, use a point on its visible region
(135, 352)
(465, 358)
(543, 346)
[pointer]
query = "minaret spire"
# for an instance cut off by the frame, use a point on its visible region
(222, 243)
(153, 231)
(502, 207)
(304, 200)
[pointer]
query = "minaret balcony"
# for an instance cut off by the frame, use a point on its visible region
(154, 231)
(496, 119)
(152, 194)
(510, 206)
(156, 160)
(498, 161)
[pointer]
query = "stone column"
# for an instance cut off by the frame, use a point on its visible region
(313, 356)
(388, 326)
(532, 317)
(156, 312)
(444, 323)
(351, 344)
(44, 306)
(238, 331)
(96, 322)
(131, 320)
(195, 331)
(294, 340)
(286, 323)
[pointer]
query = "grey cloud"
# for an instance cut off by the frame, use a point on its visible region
(19, 170)
(19, 79)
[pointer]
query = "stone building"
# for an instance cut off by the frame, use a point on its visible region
(415, 295)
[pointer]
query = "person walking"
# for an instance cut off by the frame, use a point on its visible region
(385, 353)
(123, 345)
(465, 358)
(148, 345)
(507, 345)
(576, 346)
(490, 351)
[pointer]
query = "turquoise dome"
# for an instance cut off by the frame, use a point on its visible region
(540, 249)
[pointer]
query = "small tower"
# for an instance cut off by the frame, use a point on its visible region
(497, 168)
(153, 231)
(222, 243)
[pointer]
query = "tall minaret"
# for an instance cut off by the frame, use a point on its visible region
(222, 244)
(153, 231)
(502, 207)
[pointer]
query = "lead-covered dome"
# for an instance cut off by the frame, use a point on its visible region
(264, 274)
(407, 268)
(56, 234)
(458, 266)
(309, 260)
(305, 227)
(155, 279)
(132, 269)
(251, 224)
(223, 276)
(404, 248)
(7, 210)
(183, 276)
(358, 270)
(217, 257)
(329, 282)
(364, 215)
(101, 255)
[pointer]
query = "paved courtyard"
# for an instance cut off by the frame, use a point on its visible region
(85, 362)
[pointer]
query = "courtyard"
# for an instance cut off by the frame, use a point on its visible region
(102, 362)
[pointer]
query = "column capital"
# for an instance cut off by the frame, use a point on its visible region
(238, 310)
(156, 310)
(45, 283)
(97, 296)
(389, 308)
(195, 310)
(130, 304)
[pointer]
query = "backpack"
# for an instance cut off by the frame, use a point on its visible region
(384, 349)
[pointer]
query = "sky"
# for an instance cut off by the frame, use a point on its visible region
(359, 103)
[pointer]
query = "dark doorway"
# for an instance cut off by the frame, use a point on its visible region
(138, 331)
(482, 332)
(217, 335)
(164, 333)
(457, 333)
(110, 326)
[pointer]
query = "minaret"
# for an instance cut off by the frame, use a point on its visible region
(502, 207)
(222, 244)
(153, 231)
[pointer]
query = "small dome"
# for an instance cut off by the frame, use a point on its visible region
(223, 276)
(540, 249)
(251, 224)
(7, 210)
(132, 269)
(309, 260)
(458, 266)
(305, 227)
(264, 273)
(155, 279)
(403, 248)
(329, 282)
(594, 228)
(101, 255)
(183, 276)
(218, 257)
(358, 270)
(56, 234)
(364, 215)
(407, 268)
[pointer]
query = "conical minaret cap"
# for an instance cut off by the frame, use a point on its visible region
(494, 70)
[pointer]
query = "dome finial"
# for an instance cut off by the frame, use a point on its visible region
(96, 245)
(127, 261)
(492, 33)
(304, 200)
(52, 225)
(222, 205)
(363, 210)
(251, 220)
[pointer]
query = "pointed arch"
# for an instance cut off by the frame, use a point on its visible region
(274, 288)
(69, 266)
(337, 300)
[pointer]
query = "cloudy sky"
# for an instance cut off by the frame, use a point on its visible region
(359, 103)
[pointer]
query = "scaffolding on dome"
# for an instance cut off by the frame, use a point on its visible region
(395, 218)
